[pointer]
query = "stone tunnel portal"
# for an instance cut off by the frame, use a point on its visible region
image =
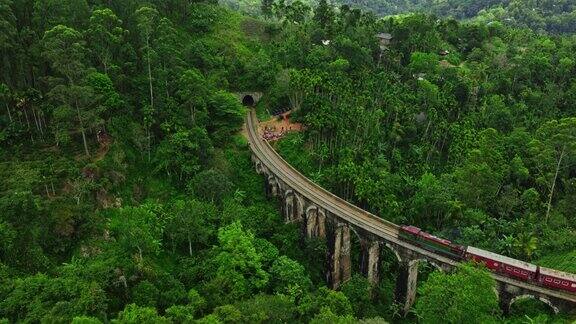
(248, 100)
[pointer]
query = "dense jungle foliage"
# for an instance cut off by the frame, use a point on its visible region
(553, 16)
(127, 194)
(462, 129)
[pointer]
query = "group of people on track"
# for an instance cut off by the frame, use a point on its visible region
(272, 134)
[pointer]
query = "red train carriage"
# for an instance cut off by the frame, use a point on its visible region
(557, 279)
(503, 264)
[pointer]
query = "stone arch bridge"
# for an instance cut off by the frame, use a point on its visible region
(324, 215)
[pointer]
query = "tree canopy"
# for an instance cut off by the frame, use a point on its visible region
(127, 190)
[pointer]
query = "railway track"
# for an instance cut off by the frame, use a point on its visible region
(315, 193)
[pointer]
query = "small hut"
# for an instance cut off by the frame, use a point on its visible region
(384, 39)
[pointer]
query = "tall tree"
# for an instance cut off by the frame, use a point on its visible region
(105, 34)
(184, 152)
(289, 276)
(554, 150)
(8, 33)
(138, 229)
(193, 93)
(239, 270)
(168, 46)
(50, 13)
(297, 12)
(146, 19)
(324, 14)
(190, 225)
(226, 116)
(266, 7)
(64, 49)
(5, 98)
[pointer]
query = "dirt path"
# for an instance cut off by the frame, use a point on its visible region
(275, 128)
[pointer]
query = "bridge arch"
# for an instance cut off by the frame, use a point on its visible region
(434, 264)
(356, 233)
(283, 187)
(310, 209)
(394, 250)
(540, 298)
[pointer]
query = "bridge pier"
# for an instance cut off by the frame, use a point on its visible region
(505, 301)
(289, 202)
(406, 284)
(315, 222)
(272, 186)
(311, 221)
(370, 260)
(339, 270)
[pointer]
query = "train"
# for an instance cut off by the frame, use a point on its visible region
(497, 263)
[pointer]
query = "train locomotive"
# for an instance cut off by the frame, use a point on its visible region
(500, 264)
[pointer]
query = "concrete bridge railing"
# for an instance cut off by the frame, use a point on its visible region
(324, 215)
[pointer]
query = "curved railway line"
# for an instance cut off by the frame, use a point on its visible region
(352, 214)
(319, 195)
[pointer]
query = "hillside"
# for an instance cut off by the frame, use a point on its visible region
(558, 17)
(128, 195)
(552, 16)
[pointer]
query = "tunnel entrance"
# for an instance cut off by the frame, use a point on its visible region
(248, 100)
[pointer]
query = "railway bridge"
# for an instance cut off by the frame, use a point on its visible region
(324, 215)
